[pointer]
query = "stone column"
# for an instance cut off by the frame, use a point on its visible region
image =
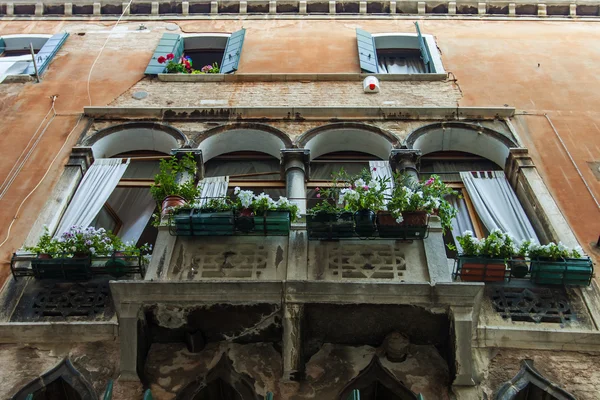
(294, 167)
(463, 330)
(405, 161)
(293, 361)
(128, 340)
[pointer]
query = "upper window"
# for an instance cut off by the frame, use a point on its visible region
(16, 53)
(220, 50)
(400, 53)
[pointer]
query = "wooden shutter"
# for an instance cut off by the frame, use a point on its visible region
(355, 395)
(367, 54)
(425, 54)
(1, 45)
(233, 51)
(169, 43)
(46, 53)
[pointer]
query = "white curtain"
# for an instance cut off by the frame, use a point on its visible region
(212, 188)
(134, 207)
(496, 204)
(462, 222)
(382, 169)
(95, 188)
(393, 64)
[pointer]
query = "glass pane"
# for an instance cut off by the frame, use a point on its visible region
(324, 170)
(235, 168)
(105, 220)
(141, 170)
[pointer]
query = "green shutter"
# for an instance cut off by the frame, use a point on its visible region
(169, 43)
(425, 55)
(29, 396)
(109, 390)
(148, 395)
(46, 53)
(420, 397)
(233, 51)
(355, 395)
(367, 54)
(269, 396)
(1, 45)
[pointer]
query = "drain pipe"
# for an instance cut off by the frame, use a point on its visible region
(572, 161)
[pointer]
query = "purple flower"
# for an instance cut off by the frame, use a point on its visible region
(318, 195)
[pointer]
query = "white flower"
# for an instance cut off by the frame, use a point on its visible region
(236, 190)
(399, 219)
(359, 183)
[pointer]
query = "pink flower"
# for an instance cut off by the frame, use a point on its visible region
(317, 189)
(374, 169)
(170, 56)
(161, 59)
(365, 187)
(429, 182)
(318, 195)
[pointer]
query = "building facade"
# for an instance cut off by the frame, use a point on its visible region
(510, 98)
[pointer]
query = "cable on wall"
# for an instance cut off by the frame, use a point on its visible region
(102, 49)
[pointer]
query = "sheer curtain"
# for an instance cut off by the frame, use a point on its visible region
(213, 187)
(95, 188)
(496, 204)
(393, 64)
(462, 222)
(382, 169)
(134, 207)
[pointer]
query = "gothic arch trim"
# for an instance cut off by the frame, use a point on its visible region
(68, 373)
(461, 136)
(377, 372)
(348, 136)
(241, 136)
(225, 371)
(131, 136)
(529, 375)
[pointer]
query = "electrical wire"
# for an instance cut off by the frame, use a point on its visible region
(41, 180)
(18, 165)
(102, 49)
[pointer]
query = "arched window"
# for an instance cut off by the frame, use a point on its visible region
(377, 383)
(62, 382)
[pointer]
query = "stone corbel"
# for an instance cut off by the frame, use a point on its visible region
(129, 316)
(81, 157)
(293, 360)
(464, 325)
(518, 158)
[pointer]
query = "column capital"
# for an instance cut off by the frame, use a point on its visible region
(295, 158)
(405, 159)
(197, 154)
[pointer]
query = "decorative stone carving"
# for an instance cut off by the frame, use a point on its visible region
(396, 347)
(378, 261)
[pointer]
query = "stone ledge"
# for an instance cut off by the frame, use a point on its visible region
(289, 113)
(543, 9)
(57, 332)
(295, 77)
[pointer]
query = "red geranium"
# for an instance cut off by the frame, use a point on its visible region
(170, 56)
(161, 59)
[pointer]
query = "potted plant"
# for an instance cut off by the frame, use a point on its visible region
(46, 246)
(556, 264)
(364, 196)
(518, 264)
(484, 260)
(174, 184)
(213, 218)
(261, 213)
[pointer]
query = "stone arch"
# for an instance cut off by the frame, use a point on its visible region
(132, 136)
(65, 371)
(348, 136)
(375, 372)
(460, 136)
(242, 136)
(242, 384)
(529, 378)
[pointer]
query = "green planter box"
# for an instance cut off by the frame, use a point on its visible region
(570, 271)
(276, 223)
(62, 268)
(194, 222)
(330, 226)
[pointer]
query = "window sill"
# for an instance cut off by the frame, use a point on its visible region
(295, 77)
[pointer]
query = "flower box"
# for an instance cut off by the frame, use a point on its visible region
(568, 271)
(324, 225)
(481, 269)
(195, 222)
(275, 223)
(63, 268)
(409, 229)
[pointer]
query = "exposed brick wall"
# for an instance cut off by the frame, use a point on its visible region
(578, 373)
(269, 94)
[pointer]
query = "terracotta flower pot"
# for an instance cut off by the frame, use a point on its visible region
(44, 256)
(171, 201)
(414, 218)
